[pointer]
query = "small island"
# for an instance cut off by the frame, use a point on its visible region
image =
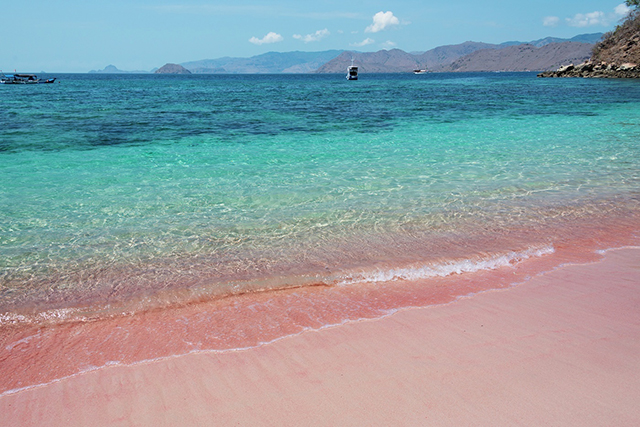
(172, 69)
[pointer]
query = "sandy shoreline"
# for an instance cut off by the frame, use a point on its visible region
(561, 349)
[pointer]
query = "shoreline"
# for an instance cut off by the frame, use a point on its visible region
(391, 312)
(36, 355)
(418, 359)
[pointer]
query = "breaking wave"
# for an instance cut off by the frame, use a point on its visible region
(447, 268)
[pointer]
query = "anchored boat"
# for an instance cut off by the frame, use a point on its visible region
(352, 71)
(22, 79)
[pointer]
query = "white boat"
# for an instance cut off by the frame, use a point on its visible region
(352, 72)
(420, 71)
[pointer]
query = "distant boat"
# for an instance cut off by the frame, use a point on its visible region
(352, 72)
(22, 79)
(420, 71)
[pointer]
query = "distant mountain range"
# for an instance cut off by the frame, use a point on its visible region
(524, 57)
(267, 63)
(112, 69)
(538, 55)
(383, 61)
(535, 55)
(592, 38)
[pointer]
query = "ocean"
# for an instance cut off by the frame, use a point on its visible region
(149, 216)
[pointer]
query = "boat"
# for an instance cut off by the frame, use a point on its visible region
(352, 72)
(420, 71)
(22, 79)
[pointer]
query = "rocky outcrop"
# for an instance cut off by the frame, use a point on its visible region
(592, 69)
(616, 56)
(624, 51)
(621, 45)
(172, 69)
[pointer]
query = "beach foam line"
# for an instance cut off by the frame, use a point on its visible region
(447, 268)
(414, 272)
(109, 364)
(436, 270)
(253, 319)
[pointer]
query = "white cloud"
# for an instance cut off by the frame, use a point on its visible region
(318, 35)
(381, 21)
(587, 19)
(599, 17)
(363, 42)
(388, 44)
(269, 38)
(595, 18)
(622, 10)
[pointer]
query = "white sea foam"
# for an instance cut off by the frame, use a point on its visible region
(412, 272)
(459, 266)
(54, 315)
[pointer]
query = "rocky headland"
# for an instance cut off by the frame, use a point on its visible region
(628, 70)
(616, 56)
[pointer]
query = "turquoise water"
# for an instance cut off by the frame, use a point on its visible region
(162, 188)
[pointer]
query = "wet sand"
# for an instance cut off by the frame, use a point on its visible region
(561, 349)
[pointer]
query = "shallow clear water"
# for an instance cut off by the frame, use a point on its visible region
(126, 186)
(140, 214)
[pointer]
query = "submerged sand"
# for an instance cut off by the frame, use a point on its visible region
(561, 349)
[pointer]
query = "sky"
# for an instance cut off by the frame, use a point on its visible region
(78, 36)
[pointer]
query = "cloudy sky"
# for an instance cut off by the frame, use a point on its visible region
(77, 36)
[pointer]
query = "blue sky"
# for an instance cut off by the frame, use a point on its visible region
(77, 36)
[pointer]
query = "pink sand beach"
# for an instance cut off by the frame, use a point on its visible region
(559, 349)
